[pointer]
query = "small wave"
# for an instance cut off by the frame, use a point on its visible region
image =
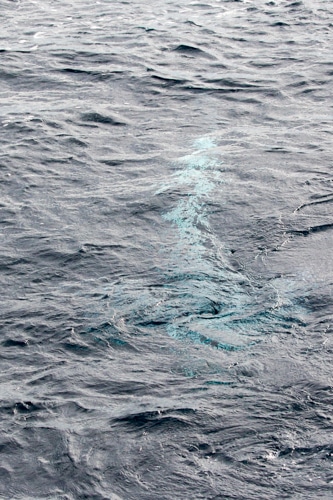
(94, 117)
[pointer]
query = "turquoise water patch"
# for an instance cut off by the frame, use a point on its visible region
(208, 302)
(198, 299)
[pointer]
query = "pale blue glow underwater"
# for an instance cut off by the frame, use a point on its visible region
(201, 299)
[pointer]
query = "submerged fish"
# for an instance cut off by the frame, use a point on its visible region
(199, 297)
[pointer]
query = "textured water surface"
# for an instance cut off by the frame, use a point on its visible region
(166, 249)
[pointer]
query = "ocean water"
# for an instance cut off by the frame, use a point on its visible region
(166, 249)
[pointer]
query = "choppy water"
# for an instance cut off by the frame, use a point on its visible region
(166, 249)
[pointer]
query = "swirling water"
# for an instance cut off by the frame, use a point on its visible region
(166, 249)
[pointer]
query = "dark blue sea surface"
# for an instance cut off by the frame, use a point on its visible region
(166, 249)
